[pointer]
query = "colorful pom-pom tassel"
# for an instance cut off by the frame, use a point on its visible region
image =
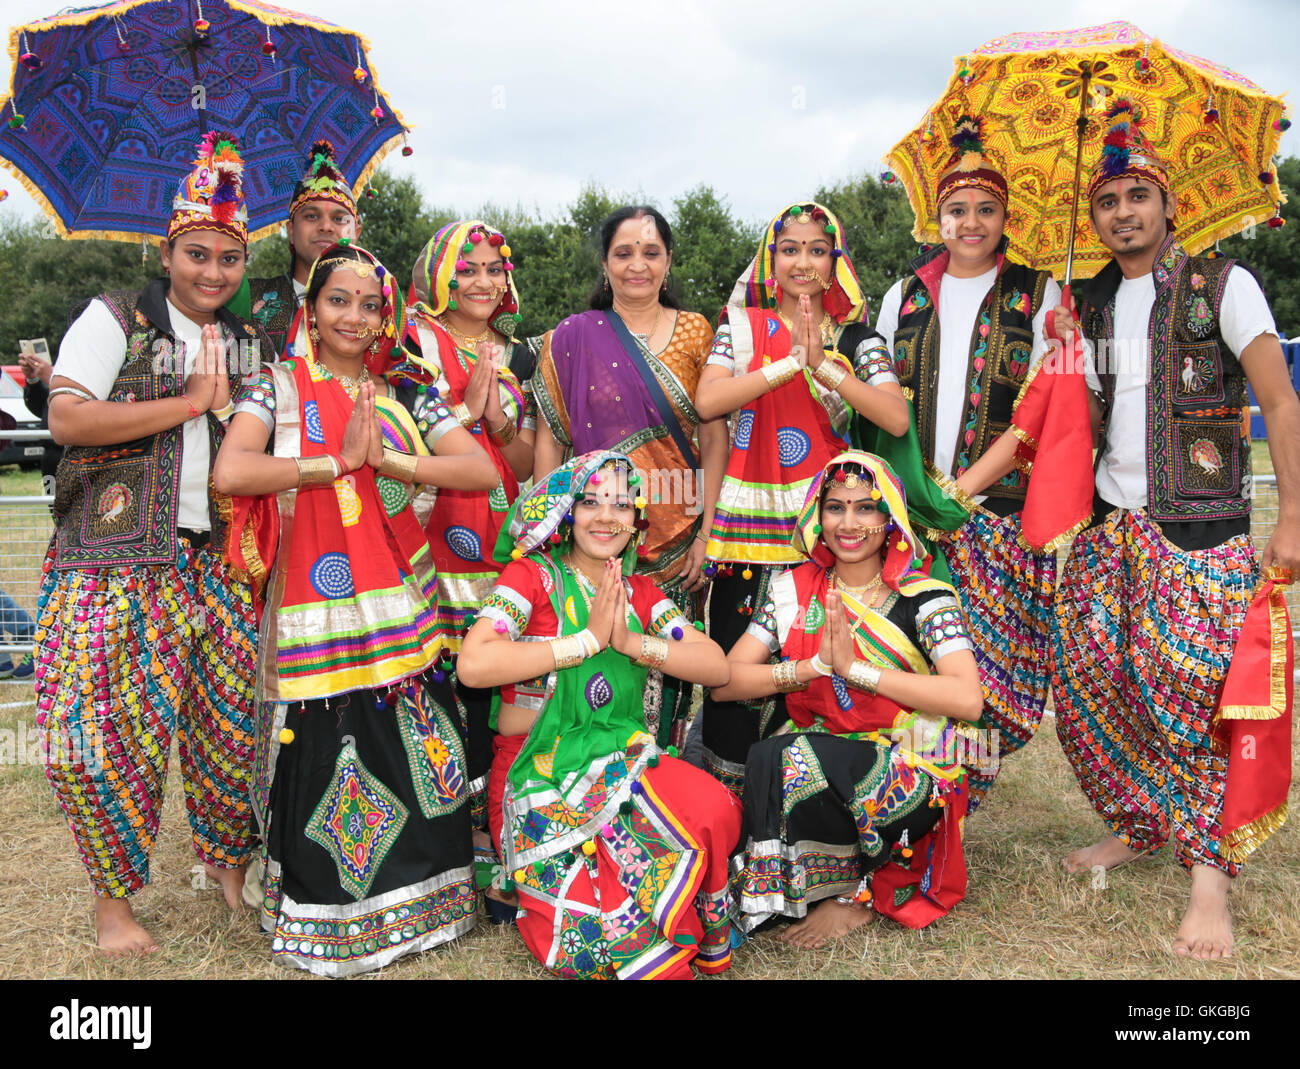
(677, 633)
(359, 74)
(31, 60)
(1276, 222)
(286, 736)
(747, 574)
(407, 150)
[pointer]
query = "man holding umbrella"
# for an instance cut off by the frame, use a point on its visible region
(1151, 603)
(321, 213)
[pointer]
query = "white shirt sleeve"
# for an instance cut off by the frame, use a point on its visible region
(887, 320)
(93, 350)
(1244, 313)
(1051, 298)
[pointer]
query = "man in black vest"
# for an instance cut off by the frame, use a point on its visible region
(1152, 600)
(322, 212)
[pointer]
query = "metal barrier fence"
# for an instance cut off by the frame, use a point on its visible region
(26, 526)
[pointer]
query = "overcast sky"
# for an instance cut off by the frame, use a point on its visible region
(522, 101)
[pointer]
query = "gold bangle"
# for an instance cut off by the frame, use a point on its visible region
(567, 651)
(571, 650)
(399, 465)
(224, 414)
(505, 434)
(829, 374)
(784, 677)
(316, 471)
(819, 666)
(864, 677)
(461, 412)
(654, 651)
(779, 373)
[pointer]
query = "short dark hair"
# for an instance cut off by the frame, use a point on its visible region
(601, 296)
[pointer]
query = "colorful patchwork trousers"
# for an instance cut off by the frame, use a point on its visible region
(1143, 639)
(1006, 593)
(125, 659)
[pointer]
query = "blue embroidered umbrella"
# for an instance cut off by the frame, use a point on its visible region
(107, 103)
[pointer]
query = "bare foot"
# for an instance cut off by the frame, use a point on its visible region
(1206, 928)
(232, 884)
(826, 921)
(1110, 853)
(119, 933)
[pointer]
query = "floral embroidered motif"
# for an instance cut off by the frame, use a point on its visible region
(357, 821)
(1200, 319)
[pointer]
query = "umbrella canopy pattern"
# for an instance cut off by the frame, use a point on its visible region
(107, 104)
(1216, 130)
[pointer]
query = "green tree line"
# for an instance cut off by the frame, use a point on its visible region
(42, 278)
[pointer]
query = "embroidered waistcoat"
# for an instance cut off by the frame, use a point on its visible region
(274, 305)
(116, 505)
(1198, 452)
(1001, 347)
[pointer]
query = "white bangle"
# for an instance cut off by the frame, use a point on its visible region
(819, 666)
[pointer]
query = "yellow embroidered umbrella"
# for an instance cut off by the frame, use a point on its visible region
(1217, 131)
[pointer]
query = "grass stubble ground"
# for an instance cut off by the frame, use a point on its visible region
(1023, 918)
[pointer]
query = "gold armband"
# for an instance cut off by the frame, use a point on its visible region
(399, 465)
(829, 374)
(316, 471)
(654, 651)
(864, 677)
(784, 677)
(779, 373)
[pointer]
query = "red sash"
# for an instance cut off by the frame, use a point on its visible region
(468, 508)
(1253, 722)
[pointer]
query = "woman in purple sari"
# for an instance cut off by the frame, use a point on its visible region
(622, 377)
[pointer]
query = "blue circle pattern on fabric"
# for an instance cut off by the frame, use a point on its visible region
(599, 692)
(311, 416)
(792, 445)
(331, 576)
(464, 543)
(744, 426)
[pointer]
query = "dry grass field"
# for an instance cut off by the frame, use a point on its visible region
(1023, 918)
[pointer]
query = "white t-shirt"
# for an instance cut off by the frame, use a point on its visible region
(92, 353)
(960, 300)
(1243, 316)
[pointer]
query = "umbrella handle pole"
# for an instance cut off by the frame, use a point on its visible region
(1080, 125)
